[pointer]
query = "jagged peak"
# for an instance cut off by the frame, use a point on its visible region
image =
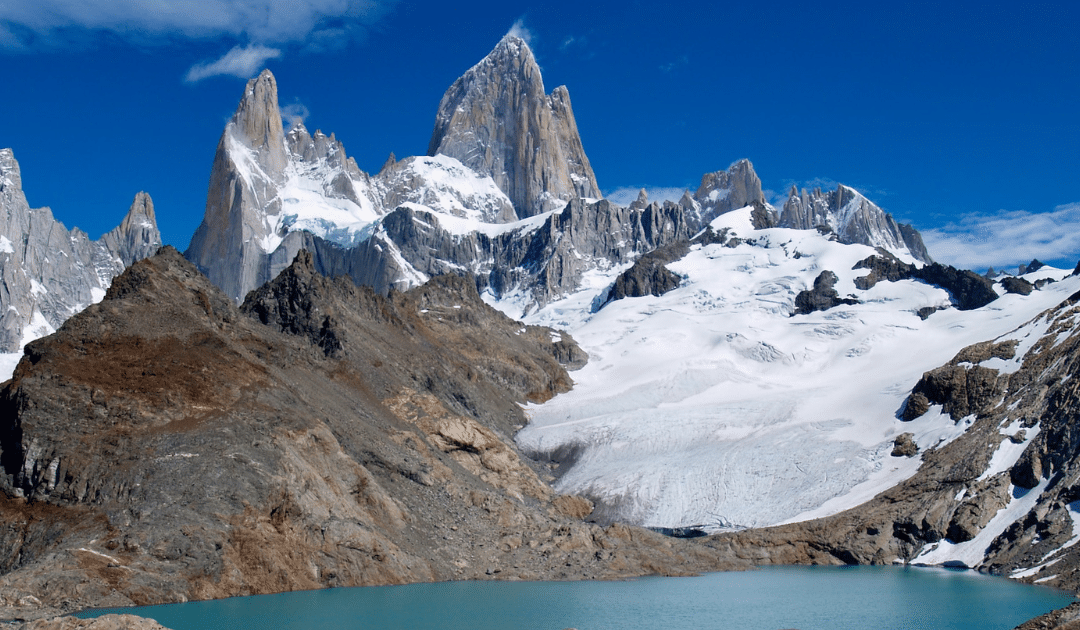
(9, 170)
(257, 120)
(141, 207)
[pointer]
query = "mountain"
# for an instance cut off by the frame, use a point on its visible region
(997, 491)
(49, 272)
(716, 404)
(166, 445)
(498, 121)
(507, 196)
(854, 218)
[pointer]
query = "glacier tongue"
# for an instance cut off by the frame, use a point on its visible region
(712, 406)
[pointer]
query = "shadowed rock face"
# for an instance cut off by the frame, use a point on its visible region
(47, 272)
(498, 121)
(166, 444)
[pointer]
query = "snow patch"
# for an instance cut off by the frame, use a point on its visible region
(973, 552)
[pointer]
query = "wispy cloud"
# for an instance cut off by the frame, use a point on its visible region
(518, 29)
(242, 62)
(294, 114)
(52, 24)
(626, 194)
(1007, 238)
(672, 65)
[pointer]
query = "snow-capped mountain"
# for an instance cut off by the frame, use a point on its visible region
(50, 273)
(715, 405)
(497, 120)
(507, 195)
(854, 218)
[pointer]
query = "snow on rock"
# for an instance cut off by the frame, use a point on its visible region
(973, 552)
(712, 406)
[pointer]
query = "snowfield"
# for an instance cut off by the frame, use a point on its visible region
(713, 406)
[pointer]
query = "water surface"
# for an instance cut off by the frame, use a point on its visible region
(807, 598)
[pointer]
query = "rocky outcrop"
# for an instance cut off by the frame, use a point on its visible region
(166, 445)
(1019, 286)
(498, 121)
(967, 289)
(963, 386)
(1020, 450)
(104, 622)
(822, 296)
(648, 275)
(737, 187)
(48, 272)
(854, 218)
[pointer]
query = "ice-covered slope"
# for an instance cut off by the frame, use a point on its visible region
(713, 406)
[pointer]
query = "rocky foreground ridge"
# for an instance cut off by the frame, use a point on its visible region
(166, 445)
(48, 272)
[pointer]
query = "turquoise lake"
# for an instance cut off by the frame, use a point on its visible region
(807, 598)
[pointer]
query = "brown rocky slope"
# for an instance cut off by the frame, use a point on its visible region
(165, 445)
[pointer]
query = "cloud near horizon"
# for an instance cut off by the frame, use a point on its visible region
(1006, 239)
(626, 194)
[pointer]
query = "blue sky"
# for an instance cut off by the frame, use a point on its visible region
(961, 119)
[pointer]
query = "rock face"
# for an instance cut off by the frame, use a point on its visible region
(167, 445)
(498, 121)
(1018, 397)
(822, 297)
(967, 289)
(724, 191)
(48, 272)
(506, 195)
(854, 218)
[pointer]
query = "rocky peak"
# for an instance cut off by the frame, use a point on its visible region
(48, 273)
(854, 218)
(641, 201)
(724, 191)
(497, 120)
(257, 123)
(10, 178)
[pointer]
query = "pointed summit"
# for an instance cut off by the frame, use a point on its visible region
(237, 229)
(497, 120)
(257, 122)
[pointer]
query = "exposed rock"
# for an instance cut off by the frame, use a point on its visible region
(104, 622)
(498, 121)
(48, 273)
(854, 218)
(648, 275)
(956, 493)
(737, 187)
(166, 445)
(967, 289)
(822, 297)
(962, 386)
(904, 446)
(1012, 284)
(1031, 267)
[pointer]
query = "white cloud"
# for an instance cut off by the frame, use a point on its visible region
(518, 29)
(294, 114)
(626, 194)
(1007, 238)
(45, 24)
(239, 62)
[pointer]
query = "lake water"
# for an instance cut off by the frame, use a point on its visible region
(807, 598)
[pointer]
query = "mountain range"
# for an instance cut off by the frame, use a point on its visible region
(470, 365)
